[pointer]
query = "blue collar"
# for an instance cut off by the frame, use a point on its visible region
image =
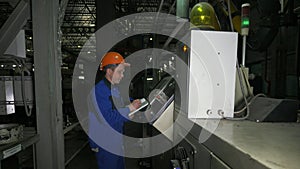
(107, 83)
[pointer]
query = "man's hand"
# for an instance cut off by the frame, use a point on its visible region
(134, 105)
(96, 150)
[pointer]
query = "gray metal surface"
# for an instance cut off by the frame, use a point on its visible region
(13, 25)
(25, 142)
(265, 109)
(7, 99)
(50, 148)
(21, 145)
(18, 90)
(246, 144)
(216, 163)
(11, 90)
(199, 155)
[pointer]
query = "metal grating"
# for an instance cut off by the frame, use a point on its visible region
(78, 26)
(80, 16)
(124, 7)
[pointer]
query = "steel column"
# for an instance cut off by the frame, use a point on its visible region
(48, 91)
(62, 8)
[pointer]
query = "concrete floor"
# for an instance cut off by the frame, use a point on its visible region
(76, 143)
(85, 159)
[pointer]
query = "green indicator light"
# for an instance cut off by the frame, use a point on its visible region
(246, 22)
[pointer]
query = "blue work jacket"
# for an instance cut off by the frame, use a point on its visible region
(106, 125)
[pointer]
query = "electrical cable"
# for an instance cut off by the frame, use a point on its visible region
(249, 103)
(28, 113)
(24, 68)
(244, 95)
(13, 60)
(240, 78)
(248, 84)
(239, 73)
(229, 15)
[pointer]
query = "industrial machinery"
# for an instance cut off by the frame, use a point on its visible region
(16, 89)
(160, 98)
(17, 102)
(229, 123)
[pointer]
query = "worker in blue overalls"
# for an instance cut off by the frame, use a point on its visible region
(112, 111)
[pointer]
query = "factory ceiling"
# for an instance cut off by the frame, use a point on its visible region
(78, 25)
(79, 21)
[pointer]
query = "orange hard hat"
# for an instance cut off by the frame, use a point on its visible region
(111, 58)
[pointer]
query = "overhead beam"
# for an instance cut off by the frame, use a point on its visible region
(12, 3)
(13, 25)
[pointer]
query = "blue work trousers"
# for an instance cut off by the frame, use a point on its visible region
(107, 160)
